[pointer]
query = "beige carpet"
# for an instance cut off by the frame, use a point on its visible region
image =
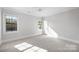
(44, 42)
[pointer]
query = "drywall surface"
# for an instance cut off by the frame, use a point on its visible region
(66, 24)
(26, 26)
(0, 26)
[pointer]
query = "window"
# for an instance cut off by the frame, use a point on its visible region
(11, 23)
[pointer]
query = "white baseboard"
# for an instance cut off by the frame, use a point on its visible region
(18, 38)
(29, 36)
(74, 41)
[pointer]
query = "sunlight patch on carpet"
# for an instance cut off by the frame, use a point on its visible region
(26, 47)
(35, 49)
(22, 46)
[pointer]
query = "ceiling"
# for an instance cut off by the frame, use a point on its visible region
(41, 11)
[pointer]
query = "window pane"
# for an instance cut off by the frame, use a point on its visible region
(11, 23)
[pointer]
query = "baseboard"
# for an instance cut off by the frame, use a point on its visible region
(74, 41)
(18, 38)
(29, 36)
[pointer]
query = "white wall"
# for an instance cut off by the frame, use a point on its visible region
(66, 24)
(27, 26)
(0, 25)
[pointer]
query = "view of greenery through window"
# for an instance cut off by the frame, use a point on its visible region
(11, 23)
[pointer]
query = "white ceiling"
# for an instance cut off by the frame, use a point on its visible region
(41, 11)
